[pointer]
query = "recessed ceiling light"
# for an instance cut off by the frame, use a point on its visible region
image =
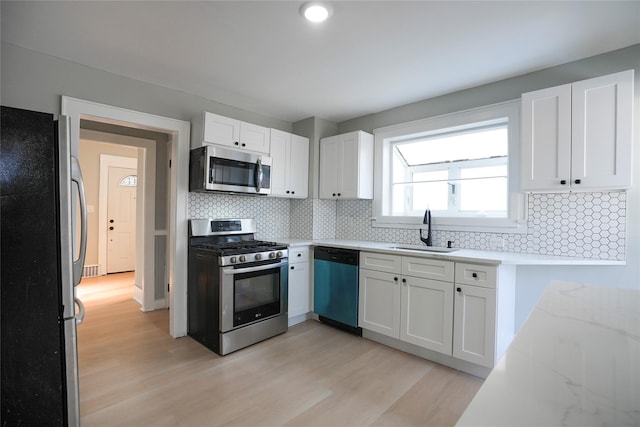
(315, 11)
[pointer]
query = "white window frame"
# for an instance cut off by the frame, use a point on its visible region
(384, 137)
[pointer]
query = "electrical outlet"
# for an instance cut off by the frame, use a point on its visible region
(496, 243)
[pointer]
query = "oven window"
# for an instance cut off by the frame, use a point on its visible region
(235, 172)
(256, 296)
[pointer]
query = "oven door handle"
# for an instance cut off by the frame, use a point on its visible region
(231, 270)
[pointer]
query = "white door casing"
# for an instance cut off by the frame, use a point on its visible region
(179, 132)
(121, 217)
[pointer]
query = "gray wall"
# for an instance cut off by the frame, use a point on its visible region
(35, 81)
(532, 280)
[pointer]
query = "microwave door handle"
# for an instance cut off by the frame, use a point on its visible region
(259, 175)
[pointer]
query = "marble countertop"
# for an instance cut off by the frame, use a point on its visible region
(575, 362)
(461, 255)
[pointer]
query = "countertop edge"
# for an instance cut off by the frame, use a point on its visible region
(462, 255)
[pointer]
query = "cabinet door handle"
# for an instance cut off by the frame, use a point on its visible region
(293, 267)
(287, 191)
(339, 194)
(459, 289)
(563, 182)
(577, 181)
(404, 280)
(474, 275)
(395, 279)
(237, 143)
(334, 194)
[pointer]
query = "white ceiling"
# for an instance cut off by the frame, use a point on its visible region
(263, 57)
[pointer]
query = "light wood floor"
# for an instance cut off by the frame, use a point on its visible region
(132, 373)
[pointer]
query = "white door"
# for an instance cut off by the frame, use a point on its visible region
(349, 166)
(121, 217)
(299, 166)
(329, 167)
(546, 139)
(379, 302)
(602, 131)
(427, 313)
(474, 324)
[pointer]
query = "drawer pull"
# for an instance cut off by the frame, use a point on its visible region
(474, 275)
(459, 289)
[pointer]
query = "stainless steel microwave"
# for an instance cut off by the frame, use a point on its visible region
(213, 168)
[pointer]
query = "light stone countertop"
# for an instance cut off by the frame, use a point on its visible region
(575, 362)
(461, 255)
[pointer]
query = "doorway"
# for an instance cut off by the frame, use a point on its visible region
(131, 161)
(122, 185)
(178, 151)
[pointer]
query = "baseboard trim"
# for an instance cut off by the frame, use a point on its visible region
(137, 295)
(443, 359)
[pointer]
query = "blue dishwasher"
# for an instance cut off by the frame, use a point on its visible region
(335, 287)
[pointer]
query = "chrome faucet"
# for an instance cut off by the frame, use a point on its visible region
(427, 221)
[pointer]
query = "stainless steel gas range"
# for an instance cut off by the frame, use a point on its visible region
(237, 286)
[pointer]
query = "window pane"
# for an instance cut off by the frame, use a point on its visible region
(129, 181)
(433, 195)
(484, 190)
(468, 145)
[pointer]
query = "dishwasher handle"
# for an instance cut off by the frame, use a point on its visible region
(338, 255)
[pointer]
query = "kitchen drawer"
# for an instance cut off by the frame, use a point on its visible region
(428, 268)
(476, 275)
(381, 262)
(298, 254)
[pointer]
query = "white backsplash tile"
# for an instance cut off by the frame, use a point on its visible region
(588, 225)
(271, 214)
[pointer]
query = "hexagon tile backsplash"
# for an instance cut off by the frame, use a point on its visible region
(271, 214)
(587, 225)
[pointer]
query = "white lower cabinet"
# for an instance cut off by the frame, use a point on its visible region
(299, 283)
(427, 313)
(413, 309)
(474, 323)
(462, 313)
(379, 302)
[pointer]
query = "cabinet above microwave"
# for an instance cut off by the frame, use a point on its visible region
(209, 128)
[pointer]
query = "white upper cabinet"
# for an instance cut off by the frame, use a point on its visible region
(290, 167)
(346, 166)
(214, 129)
(578, 136)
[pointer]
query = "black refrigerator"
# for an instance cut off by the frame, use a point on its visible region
(42, 199)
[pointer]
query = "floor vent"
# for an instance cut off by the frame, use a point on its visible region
(90, 271)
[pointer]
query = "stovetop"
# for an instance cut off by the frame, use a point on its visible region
(244, 247)
(233, 242)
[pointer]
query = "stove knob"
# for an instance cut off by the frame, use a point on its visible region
(258, 257)
(272, 255)
(243, 258)
(279, 254)
(233, 260)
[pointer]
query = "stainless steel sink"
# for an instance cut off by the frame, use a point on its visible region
(426, 249)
